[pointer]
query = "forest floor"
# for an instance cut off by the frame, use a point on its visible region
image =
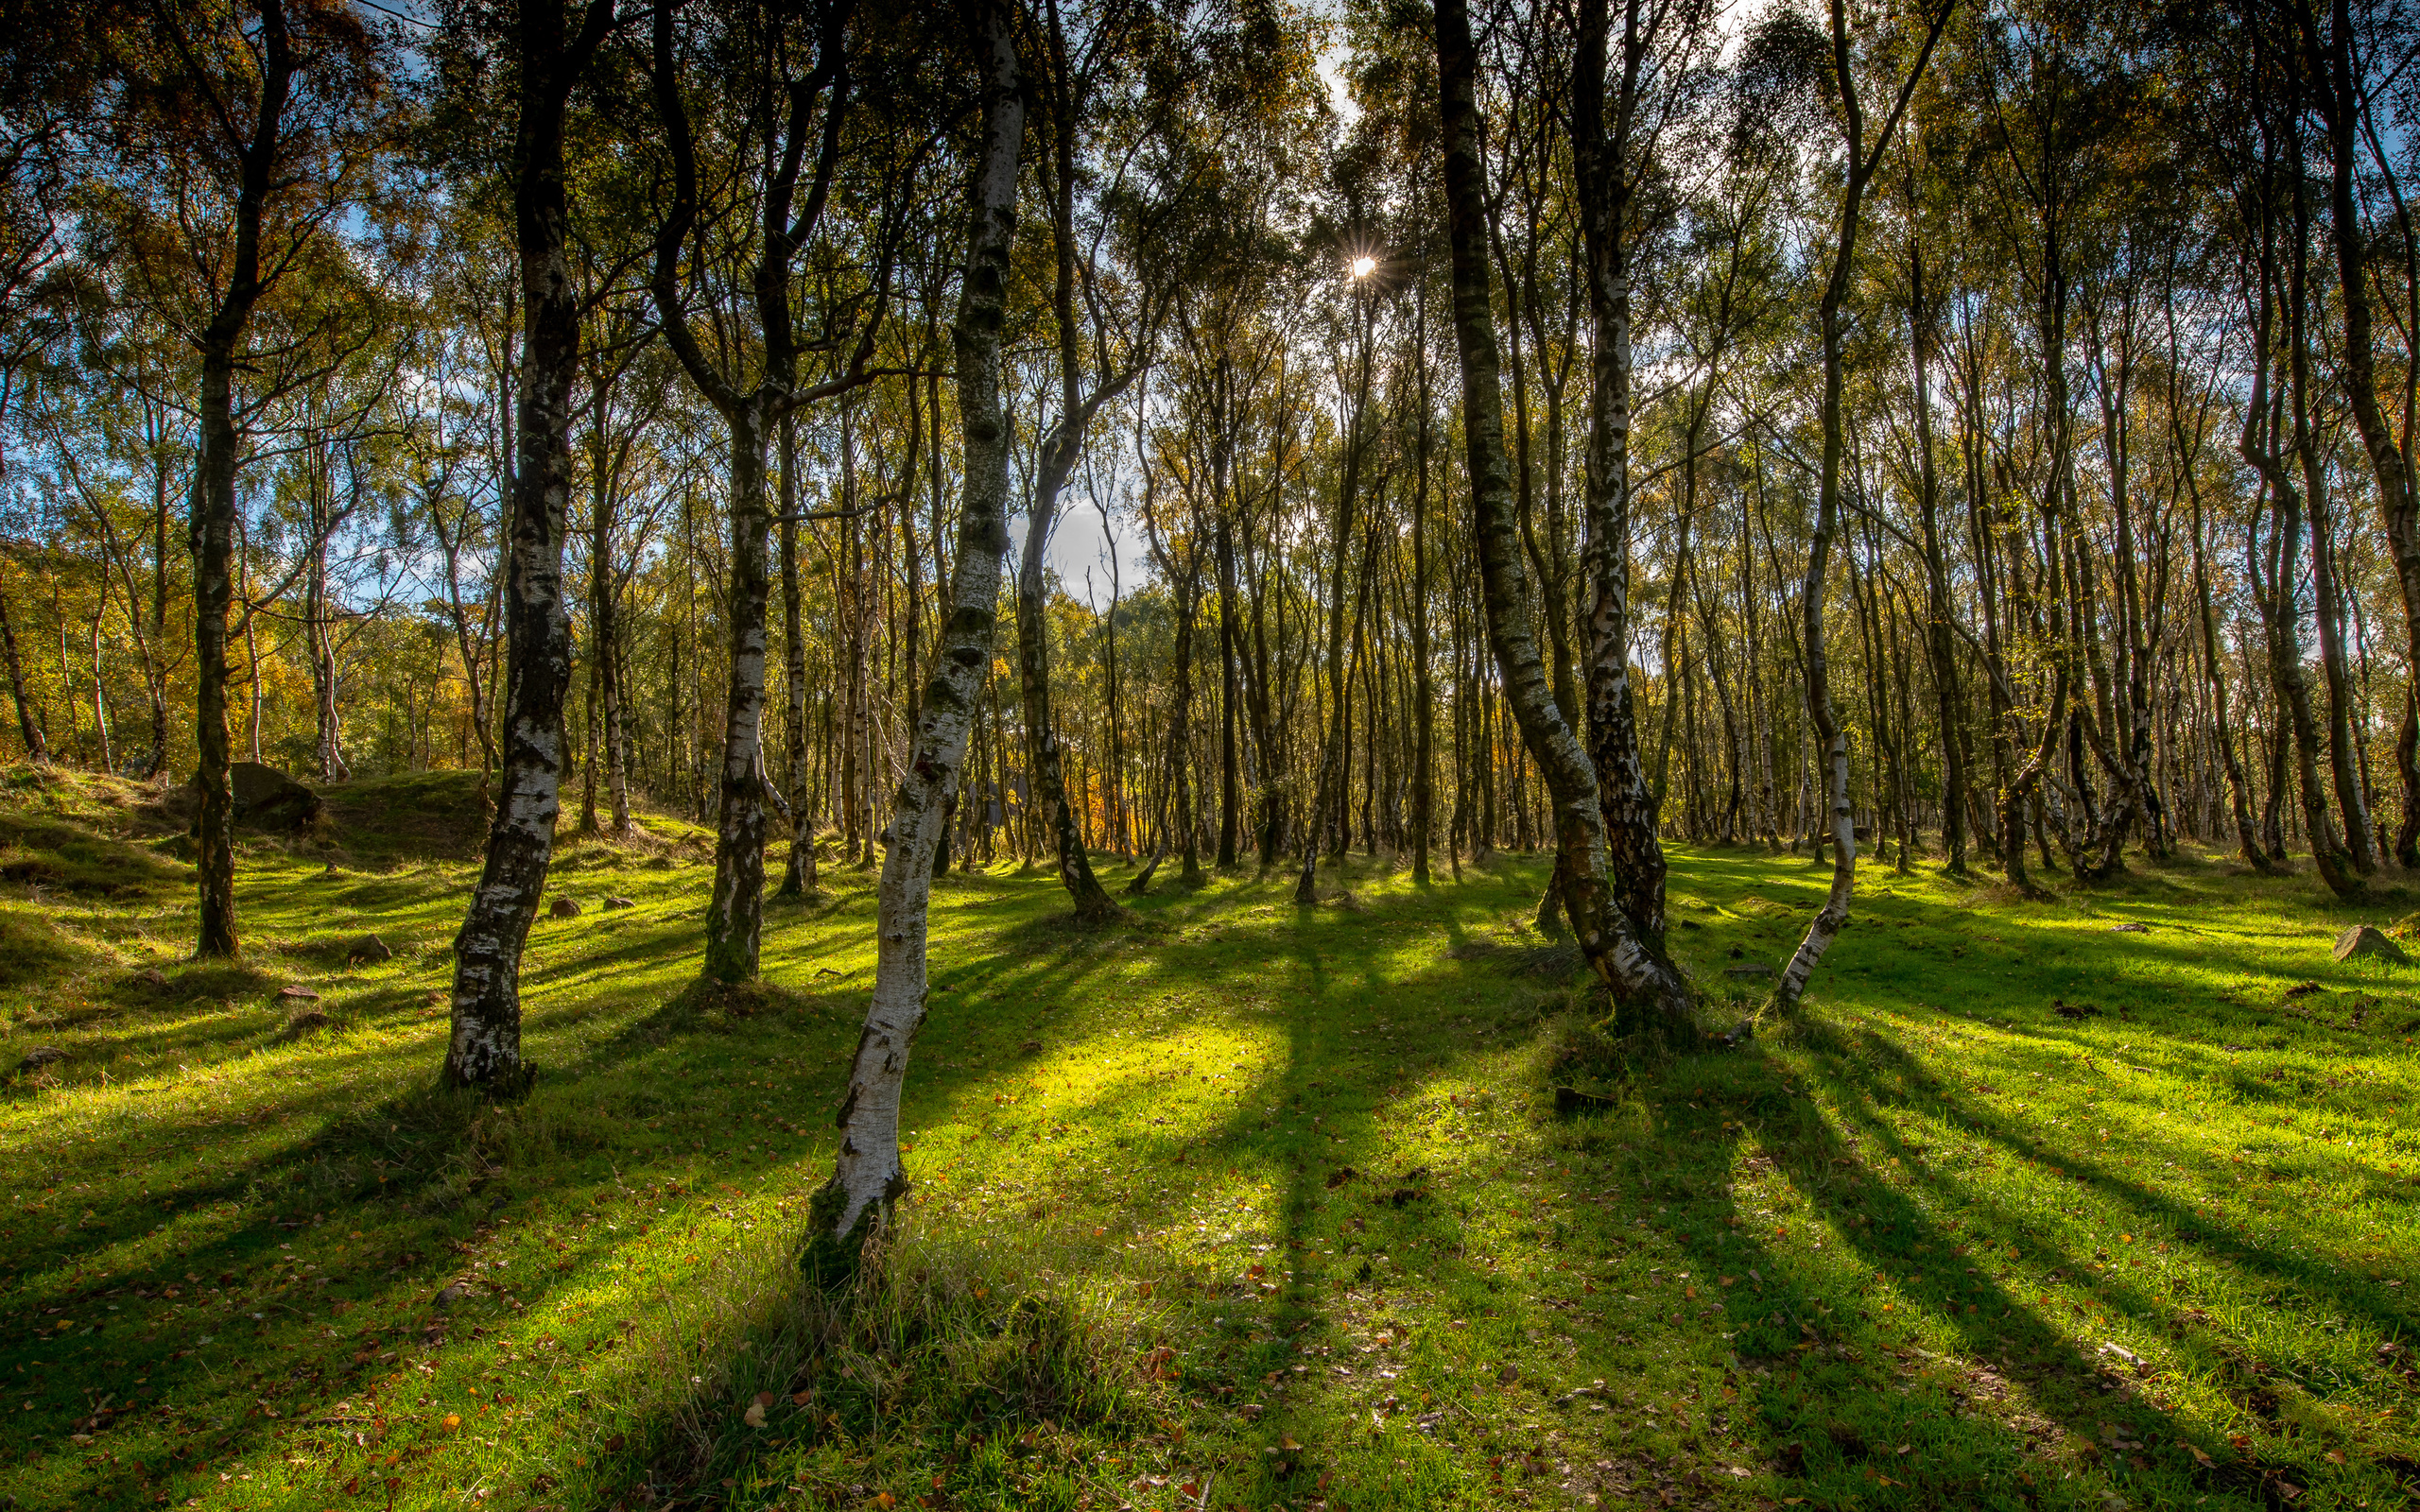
(1233, 1204)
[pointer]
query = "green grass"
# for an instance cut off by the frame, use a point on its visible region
(1233, 1206)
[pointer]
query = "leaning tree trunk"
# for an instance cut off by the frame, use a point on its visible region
(1834, 915)
(483, 1048)
(867, 1176)
(1607, 937)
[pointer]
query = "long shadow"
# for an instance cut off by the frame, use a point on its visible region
(1832, 1389)
(1316, 1083)
(1913, 1084)
(413, 1165)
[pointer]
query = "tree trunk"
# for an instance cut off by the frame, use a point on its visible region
(1606, 935)
(213, 518)
(1829, 734)
(1327, 802)
(2340, 103)
(798, 875)
(736, 915)
(1044, 762)
(37, 748)
(483, 1048)
(867, 1176)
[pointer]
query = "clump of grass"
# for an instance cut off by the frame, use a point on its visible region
(937, 1366)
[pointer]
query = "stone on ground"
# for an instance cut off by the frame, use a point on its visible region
(267, 797)
(2368, 940)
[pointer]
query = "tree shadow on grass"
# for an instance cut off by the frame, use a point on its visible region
(1837, 1390)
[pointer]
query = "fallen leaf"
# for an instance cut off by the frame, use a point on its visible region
(754, 1416)
(453, 1419)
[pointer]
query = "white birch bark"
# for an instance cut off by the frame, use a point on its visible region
(866, 1175)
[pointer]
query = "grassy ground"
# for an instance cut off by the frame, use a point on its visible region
(1235, 1206)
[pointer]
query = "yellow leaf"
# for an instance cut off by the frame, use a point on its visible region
(1286, 1441)
(453, 1419)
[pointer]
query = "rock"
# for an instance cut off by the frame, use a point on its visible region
(2130, 929)
(613, 903)
(296, 994)
(2368, 940)
(368, 948)
(563, 908)
(267, 797)
(40, 1056)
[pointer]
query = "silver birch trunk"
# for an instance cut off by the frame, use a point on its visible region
(867, 1176)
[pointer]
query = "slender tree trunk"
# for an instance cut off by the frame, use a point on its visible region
(1828, 732)
(2341, 101)
(1941, 650)
(735, 917)
(214, 490)
(798, 875)
(1607, 936)
(1604, 180)
(483, 1048)
(867, 1176)
(1044, 760)
(1327, 803)
(1424, 757)
(1229, 697)
(28, 728)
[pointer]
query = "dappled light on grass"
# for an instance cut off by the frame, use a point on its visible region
(1230, 1205)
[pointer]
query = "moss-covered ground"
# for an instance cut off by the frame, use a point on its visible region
(1235, 1205)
